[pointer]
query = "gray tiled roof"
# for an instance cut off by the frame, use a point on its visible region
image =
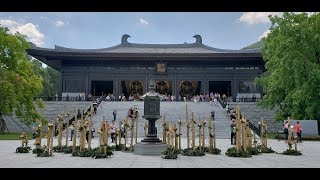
(126, 47)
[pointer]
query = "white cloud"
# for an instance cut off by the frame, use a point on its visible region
(257, 17)
(59, 23)
(28, 29)
(142, 21)
(265, 34)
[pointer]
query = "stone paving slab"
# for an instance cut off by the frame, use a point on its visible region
(309, 149)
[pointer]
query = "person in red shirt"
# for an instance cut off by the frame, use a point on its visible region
(297, 129)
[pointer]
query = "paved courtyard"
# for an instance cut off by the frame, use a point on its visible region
(310, 158)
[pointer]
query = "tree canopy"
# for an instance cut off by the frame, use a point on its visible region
(291, 53)
(18, 82)
(50, 78)
(254, 45)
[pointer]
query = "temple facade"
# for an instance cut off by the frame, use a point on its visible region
(179, 69)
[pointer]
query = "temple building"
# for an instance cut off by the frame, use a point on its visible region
(185, 69)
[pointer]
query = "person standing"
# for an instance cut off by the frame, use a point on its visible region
(233, 132)
(212, 115)
(72, 130)
(298, 130)
(114, 114)
(113, 130)
(286, 130)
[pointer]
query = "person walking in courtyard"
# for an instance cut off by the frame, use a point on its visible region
(286, 130)
(113, 130)
(298, 130)
(233, 132)
(114, 114)
(212, 115)
(72, 130)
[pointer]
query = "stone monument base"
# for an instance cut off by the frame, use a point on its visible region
(149, 149)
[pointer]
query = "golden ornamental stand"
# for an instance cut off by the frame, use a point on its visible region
(60, 125)
(243, 132)
(67, 127)
(75, 129)
(136, 119)
(193, 132)
(263, 134)
(238, 129)
(90, 127)
(39, 133)
(164, 126)
(203, 133)
(179, 126)
(210, 135)
(101, 135)
(126, 124)
(24, 139)
(199, 126)
(187, 126)
(119, 132)
(132, 133)
(105, 135)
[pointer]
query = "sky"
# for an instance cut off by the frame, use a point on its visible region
(90, 30)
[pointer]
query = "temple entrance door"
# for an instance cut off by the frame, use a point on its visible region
(99, 87)
(132, 88)
(164, 87)
(189, 88)
(221, 87)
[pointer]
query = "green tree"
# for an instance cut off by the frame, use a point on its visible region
(254, 45)
(292, 60)
(50, 78)
(18, 83)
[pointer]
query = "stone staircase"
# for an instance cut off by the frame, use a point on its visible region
(53, 108)
(255, 114)
(172, 112)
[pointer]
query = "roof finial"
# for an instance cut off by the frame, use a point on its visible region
(124, 39)
(198, 39)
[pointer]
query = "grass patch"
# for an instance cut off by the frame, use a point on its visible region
(16, 136)
(13, 136)
(304, 138)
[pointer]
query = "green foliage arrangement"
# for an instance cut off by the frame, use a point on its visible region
(191, 152)
(291, 152)
(38, 150)
(23, 149)
(170, 153)
(232, 152)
